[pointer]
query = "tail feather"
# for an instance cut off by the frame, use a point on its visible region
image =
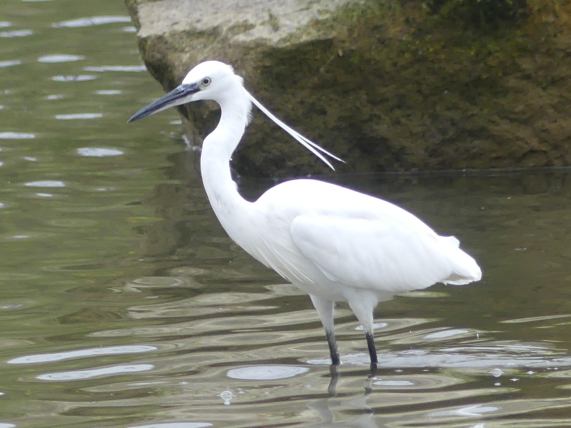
(464, 268)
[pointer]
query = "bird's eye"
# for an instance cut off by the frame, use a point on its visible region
(205, 82)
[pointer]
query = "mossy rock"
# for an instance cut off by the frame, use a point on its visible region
(408, 85)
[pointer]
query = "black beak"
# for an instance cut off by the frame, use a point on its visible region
(171, 99)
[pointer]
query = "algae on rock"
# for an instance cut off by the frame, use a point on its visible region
(400, 85)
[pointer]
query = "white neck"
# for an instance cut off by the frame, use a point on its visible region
(233, 211)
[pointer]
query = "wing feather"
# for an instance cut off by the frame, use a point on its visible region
(370, 254)
(319, 231)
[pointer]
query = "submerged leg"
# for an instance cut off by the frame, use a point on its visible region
(325, 309)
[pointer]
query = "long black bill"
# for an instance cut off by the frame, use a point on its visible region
(173, 98)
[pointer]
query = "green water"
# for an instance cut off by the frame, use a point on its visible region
(123, 303)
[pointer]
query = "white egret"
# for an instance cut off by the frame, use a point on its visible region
(334, 243)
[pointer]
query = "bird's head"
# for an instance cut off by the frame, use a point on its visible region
(216, 81)
(209, 80)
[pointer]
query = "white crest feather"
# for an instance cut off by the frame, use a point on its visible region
(317, 150)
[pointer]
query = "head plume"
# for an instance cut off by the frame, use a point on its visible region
(314, 148)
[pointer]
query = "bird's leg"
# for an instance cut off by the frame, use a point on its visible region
(362, 305)
(372, 350)
(325, 309)
(332, 347)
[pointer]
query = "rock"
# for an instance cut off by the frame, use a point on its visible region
(386, 85)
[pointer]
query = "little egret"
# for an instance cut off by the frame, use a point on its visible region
(334, 243)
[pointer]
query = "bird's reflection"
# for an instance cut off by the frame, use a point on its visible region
(326, 408)
(333, 378)
(335, 374)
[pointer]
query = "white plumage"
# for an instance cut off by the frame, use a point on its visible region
(334, 243)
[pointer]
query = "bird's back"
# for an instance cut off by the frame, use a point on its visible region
(324, 231)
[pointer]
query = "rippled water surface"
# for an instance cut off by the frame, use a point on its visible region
(123, 303)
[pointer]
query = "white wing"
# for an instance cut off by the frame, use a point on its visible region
(364, 242)
(372, 255)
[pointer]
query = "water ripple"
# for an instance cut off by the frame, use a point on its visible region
(59, 58)
(73, 78)
(95, 372)
(16, 135)
(109, 92)
(447, 334)
(475, 410)
(535, 319)
(269, 372)
(82, 353)
(127, 68)
(394, 383)
(493, 356)
(15, 33)
(10, 63)
(98, 152)
(92, 21)
(78, 116)
(173, 425)
(45, 183)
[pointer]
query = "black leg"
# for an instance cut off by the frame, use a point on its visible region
(332, 347)
(372, 349)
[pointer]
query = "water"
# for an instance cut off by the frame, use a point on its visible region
(123, 303)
